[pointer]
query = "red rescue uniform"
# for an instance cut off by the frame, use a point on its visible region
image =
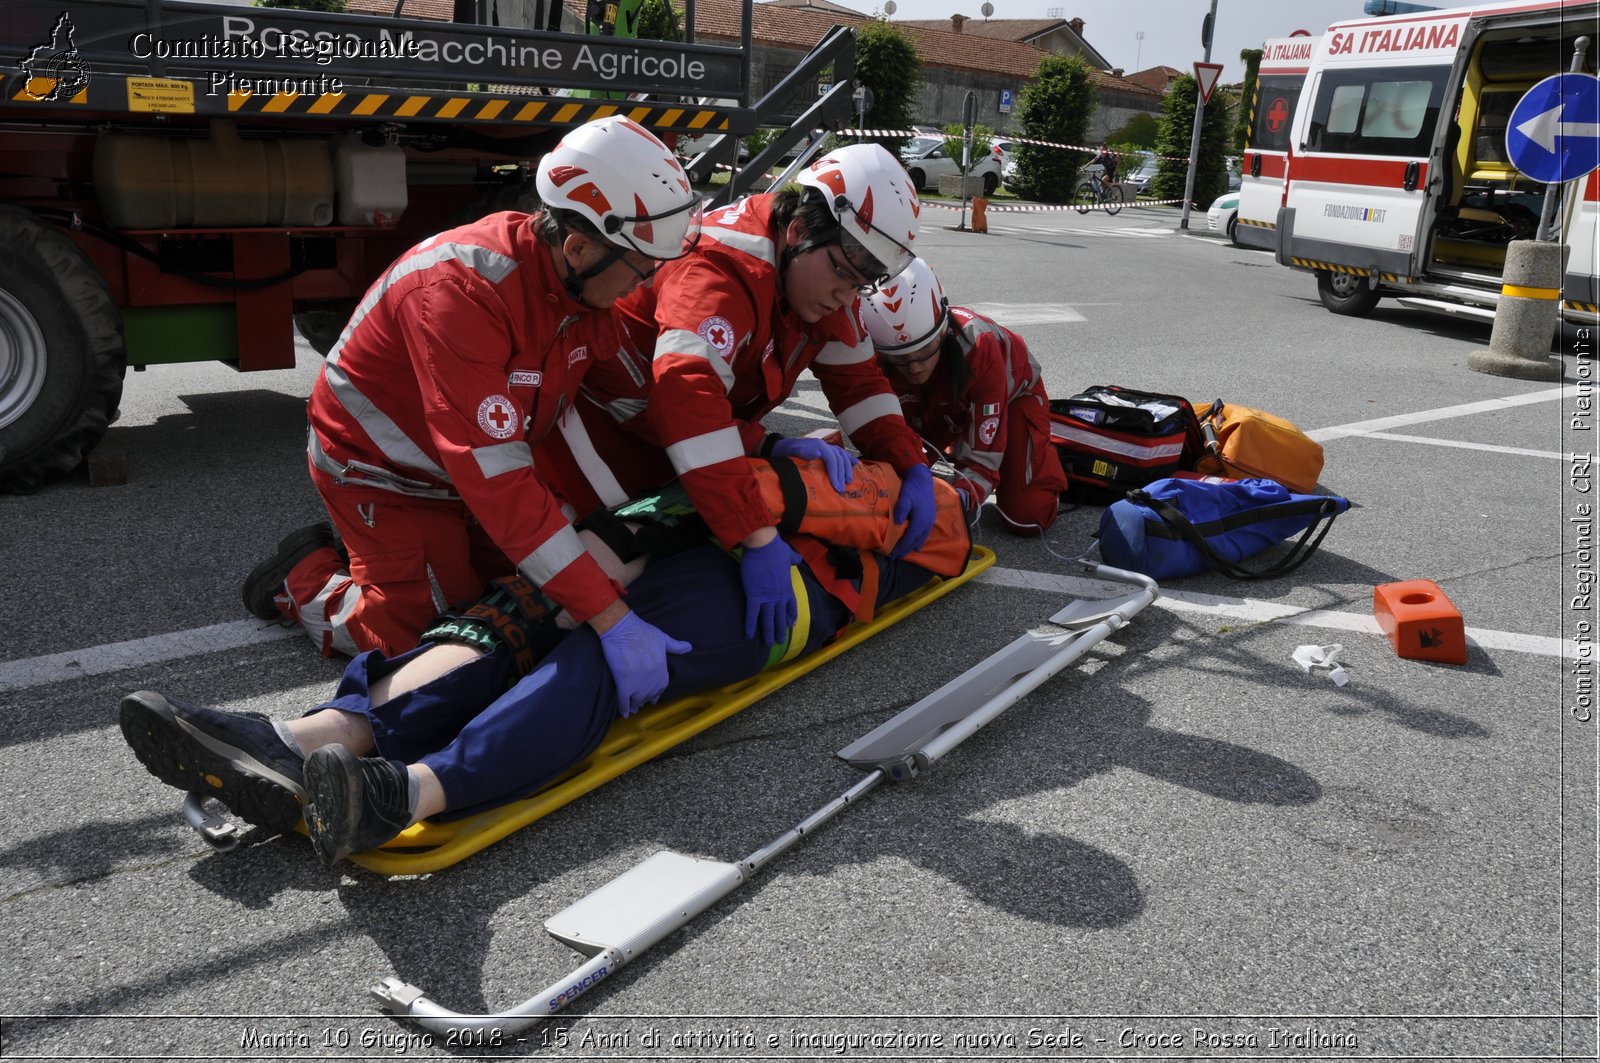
(996, 429)
(460, 357)
(712, 346)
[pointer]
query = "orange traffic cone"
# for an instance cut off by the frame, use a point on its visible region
(980, 220)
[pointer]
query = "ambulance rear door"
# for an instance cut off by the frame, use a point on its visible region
(1282, 74)
(1367, 137)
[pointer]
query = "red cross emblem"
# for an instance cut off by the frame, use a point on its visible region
(1277, 114)
(719, 337)
(497, 417)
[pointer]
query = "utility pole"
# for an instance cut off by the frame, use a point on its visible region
(1138, 35)
(1207, 31)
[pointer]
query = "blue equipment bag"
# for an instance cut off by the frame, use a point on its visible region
(1183, 527)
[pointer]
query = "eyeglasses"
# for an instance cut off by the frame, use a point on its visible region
(901, 361)
(858, 253)
(847, 272)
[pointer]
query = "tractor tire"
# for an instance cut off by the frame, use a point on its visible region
(1346, 294)
(62, 355)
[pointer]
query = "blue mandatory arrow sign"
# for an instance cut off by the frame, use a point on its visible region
(1554, 133)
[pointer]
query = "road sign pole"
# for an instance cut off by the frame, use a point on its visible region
(1548, 213)
(1199, 116)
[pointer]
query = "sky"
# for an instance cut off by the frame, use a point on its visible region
(1171, 28)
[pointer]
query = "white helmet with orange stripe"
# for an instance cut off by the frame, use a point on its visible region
(875, 204)
(907, 313)
(617, 176)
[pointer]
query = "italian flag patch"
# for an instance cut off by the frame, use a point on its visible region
(992, 408)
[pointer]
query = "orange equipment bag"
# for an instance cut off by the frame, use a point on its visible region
(1242, 443)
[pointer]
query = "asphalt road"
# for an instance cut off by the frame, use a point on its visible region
(1185, 847)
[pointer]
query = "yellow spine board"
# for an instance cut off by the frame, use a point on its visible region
(430, 846)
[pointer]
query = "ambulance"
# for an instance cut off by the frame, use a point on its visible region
(1265, 166)
(1398, 181)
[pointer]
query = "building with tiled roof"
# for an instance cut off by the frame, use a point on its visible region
(1157, 78)
(433, 10)
(952, 64)
(1058, 36)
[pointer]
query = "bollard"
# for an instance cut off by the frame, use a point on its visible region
(1527, 314)
(980, 218)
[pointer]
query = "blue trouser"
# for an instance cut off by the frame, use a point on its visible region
(488, 745)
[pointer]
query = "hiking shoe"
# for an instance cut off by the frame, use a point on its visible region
(354, 803)
(265, 583)
(236, 757)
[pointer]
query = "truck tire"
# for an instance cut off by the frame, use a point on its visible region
(62, 355)
(321, 324)
(1346, 294)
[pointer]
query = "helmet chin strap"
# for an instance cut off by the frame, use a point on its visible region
(574, 281)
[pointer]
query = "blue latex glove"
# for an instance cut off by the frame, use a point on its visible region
(841, 464)
(914, 509)
(769, 606)
(966, 503)
(636, 652)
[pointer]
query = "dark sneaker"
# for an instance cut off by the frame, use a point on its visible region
(265, 583)
(354, 803)
(235, 757)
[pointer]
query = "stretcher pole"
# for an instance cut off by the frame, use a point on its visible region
(620, 920)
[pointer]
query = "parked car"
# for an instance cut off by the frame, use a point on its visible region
(926, 161)
(1006, 152)
(1223, 217)
(1138, 179)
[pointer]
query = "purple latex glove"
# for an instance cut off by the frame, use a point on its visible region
(840, 463)
(636, 652)
(769, 606)
(915, 509)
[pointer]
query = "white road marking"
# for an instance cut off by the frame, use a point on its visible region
(1255, 612)
(1433, 442)
(1443, 413)
(136, 653)
(1013, 314)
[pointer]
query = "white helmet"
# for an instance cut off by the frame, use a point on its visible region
(906, 313)
(616, 175)
(874, 203)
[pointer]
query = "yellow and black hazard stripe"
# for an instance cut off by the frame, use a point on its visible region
(43, 90)
(188, 96)
(1254, 224)
(476, 107)
(1353, 271)
(1587, 308)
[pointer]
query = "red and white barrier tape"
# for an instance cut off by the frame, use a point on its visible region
(1017, 140)
(1025, 208)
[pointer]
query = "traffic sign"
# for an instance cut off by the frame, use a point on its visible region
(1207, 74)
(1005, 101)
(1554, 132)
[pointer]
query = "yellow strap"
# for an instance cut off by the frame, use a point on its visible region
(784, 652)
(1519, 292)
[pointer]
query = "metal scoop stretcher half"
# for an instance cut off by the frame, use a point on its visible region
(620, 920)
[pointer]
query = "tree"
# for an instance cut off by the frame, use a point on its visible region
(1057, 106)
(955, 133)
(658, 21)
(1140, 132)
(1177, 127)
(1247, 98)
(888, 65)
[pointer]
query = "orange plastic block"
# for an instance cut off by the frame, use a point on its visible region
(1421, 621)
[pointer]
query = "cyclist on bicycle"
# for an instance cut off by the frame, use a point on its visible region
(1107, 160)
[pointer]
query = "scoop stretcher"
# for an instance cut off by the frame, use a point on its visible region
(619, 921)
